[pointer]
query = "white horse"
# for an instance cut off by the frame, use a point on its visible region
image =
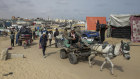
(109, 52)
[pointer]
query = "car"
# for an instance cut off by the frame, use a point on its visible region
(90, 36)
(62, 24)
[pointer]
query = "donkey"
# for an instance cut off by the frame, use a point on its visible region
(109, 52)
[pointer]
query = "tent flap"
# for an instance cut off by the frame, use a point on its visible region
(119, 20)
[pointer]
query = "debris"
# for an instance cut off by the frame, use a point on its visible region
(10, 48)
(5, 55)
(10, 73)
(10, 56)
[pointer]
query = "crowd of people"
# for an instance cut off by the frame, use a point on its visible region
(44, 35)
(47, 36)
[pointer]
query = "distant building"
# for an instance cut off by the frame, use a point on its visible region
(81, 22)
(60, 20)
(69, 21)
(56, 20)
(22, 22)
(39, 22)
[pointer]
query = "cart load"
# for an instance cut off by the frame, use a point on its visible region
(25, 35)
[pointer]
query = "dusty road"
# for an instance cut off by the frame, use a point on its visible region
(34, 66)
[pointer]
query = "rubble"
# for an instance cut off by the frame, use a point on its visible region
(4, 55)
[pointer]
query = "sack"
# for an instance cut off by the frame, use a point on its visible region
(9, 48)
(40, 46)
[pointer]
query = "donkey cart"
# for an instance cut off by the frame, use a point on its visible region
(74, 52)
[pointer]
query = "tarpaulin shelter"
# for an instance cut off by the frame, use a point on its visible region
(120, 25)
(91, 22)
(135, 28)
(120, 20)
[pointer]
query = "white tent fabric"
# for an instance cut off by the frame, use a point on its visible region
(120, 20)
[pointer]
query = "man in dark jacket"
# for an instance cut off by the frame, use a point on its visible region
(56, 33)
(102, 32)
(97, 26)
(12, 37)
(34, 35)
(43, 42)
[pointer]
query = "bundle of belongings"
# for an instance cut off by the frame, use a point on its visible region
(25, 32)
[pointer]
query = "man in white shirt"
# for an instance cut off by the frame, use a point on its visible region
(50, 35)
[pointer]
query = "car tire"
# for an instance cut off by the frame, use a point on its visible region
(63, 54)
(72, 58)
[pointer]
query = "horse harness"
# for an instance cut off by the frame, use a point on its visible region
(100, 53)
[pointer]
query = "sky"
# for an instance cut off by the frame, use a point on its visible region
(67, 9)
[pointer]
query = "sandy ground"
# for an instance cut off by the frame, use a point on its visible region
(34, 66)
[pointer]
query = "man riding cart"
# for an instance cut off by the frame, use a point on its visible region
(74, 48)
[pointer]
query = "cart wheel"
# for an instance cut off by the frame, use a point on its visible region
(19, 43)
(63, 54)
(25, 45)
(72, 58)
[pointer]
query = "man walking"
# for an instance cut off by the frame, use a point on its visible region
(12, 37)
(43, 42)
(56, 33)
(34, 35)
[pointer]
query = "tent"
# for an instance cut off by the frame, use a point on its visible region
(135, 28)
(120, 20)
(120, 26)
(91, 22)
